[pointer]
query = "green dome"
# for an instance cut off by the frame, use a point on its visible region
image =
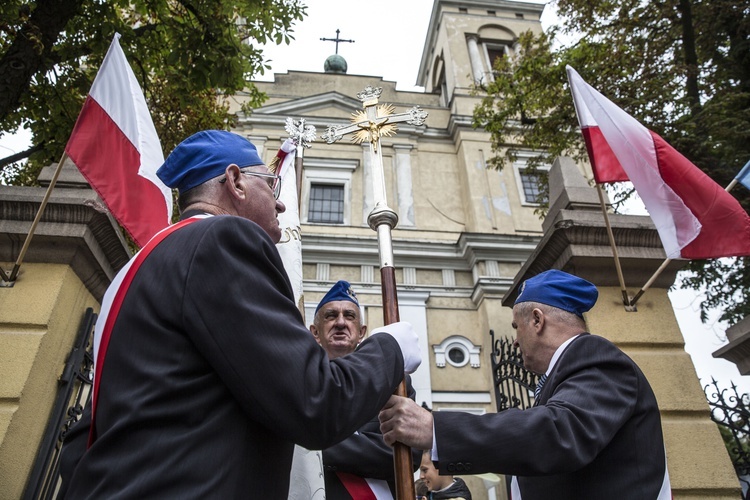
(335, 64)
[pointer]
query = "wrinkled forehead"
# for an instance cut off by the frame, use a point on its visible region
(339, 306)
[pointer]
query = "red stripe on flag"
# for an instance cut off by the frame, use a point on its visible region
(604, 163)
(114, 310)
(110, 163)
(726, 225)
(356, 486)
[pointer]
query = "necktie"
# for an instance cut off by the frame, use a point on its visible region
(539, 385)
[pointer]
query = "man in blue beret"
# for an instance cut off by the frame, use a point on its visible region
(363, 460)
(205, 374)
(594, 430)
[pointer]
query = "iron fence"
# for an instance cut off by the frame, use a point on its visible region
(514, 385)
(73, 392)
(731, 412)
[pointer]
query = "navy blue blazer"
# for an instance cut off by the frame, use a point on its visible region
(211, 376)
(595, 433)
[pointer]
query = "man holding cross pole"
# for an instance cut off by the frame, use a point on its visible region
(205, 374)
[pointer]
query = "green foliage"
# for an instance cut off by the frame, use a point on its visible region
(681, 67)
(190, 57)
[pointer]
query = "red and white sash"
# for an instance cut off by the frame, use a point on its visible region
(113, 299)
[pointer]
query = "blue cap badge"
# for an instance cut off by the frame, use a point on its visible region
(342, 290)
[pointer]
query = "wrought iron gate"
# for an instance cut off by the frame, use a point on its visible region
(514, 384)
(73, 392)
(731, 412)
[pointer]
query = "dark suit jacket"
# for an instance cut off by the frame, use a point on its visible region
(211, 376)
(363, 454)
(595, 433)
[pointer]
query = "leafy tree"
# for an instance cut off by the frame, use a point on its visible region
(190, 57)
(681, 67)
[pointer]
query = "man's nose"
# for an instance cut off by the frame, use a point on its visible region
(280, 207)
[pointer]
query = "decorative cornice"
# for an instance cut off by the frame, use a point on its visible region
(577, 242)
(461, 255)
(71, 231)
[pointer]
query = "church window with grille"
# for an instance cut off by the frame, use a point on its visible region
(530, 184)
(326, 204)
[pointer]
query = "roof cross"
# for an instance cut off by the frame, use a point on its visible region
(337, 40)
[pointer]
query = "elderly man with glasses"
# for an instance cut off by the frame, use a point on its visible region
(205, 373)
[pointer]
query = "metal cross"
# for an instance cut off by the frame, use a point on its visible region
(368, 125)
(337, 40)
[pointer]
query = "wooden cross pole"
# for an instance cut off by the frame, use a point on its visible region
(369, 125)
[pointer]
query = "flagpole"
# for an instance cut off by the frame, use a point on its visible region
(667, 261)
(298, 165)
(27, 242)
(625, 300)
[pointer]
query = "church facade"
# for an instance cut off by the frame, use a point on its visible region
(463, 230)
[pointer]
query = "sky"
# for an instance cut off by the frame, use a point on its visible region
(389, 36)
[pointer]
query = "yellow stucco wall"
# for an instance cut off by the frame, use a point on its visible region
(39, 319)
(699, 465)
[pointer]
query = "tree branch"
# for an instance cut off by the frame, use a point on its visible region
(31, 48)
(20, 156)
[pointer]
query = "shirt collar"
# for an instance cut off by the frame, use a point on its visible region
(558, 353)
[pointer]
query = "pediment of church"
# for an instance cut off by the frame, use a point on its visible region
(328, 104)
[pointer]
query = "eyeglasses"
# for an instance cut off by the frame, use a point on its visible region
(273, 180)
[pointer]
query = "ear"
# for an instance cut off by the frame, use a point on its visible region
(362, 333)
(537, 318)
(233, 185)
(314, 331)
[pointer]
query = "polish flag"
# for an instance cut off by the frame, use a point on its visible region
(695, 217)
(115, 146)
(306, 475)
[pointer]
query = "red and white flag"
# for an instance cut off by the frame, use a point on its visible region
(306, 475)
(695, 217)
(115, 146)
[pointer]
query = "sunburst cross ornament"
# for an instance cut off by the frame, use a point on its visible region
(373, 121)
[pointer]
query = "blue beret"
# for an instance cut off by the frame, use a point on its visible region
(342, 290)
(558, 289)
(206, 155)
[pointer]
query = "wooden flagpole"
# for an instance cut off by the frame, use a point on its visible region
(14, 273)
(620, 277)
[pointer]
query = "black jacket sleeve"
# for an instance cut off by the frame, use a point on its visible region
(365, 454)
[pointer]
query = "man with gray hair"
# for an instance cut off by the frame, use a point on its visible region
(594, 431)
(205, 374)
(362, 461)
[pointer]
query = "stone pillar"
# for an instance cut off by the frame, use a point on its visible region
(412, 307)
(575, 241)
(75, 253)
(475, 57)
(402, 164)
